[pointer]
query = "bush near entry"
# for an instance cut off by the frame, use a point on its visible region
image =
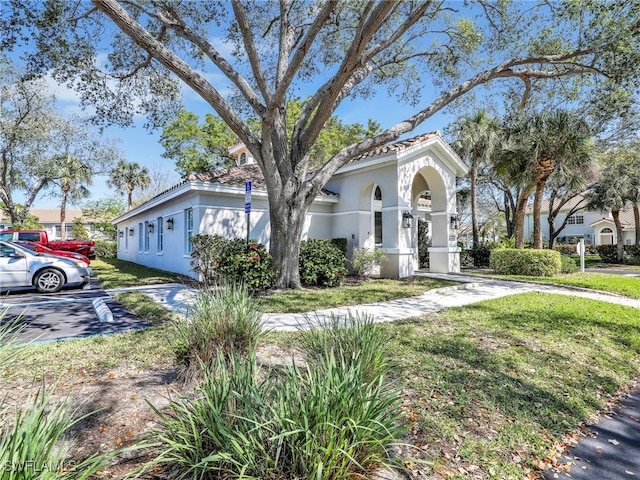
(529, 262)
(322, 264)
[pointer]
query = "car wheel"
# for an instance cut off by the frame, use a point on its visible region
(49, 281)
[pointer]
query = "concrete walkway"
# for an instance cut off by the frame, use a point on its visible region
(472, 289)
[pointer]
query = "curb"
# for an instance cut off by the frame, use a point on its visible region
(102, 311)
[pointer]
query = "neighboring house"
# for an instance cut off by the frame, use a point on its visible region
(50, 219)
(596, 228)
(372, 202)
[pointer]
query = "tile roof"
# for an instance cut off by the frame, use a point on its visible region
(240, 174)
(399, 146)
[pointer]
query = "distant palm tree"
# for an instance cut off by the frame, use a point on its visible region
(611, 194)
(477, 138)
(127, 176)
(538, 147)
(71, 176)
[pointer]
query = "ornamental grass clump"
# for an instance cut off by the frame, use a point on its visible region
(329, 420)
(356, 338)
(219, 321)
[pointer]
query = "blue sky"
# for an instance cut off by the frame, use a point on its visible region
(142, 145)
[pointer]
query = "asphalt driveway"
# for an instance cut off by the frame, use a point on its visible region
(70, 313)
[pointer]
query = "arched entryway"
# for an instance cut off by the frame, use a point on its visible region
(441, 213)
(606, 236)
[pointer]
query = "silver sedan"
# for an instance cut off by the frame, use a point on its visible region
(20, 267)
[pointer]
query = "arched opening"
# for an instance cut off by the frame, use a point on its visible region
(376, 216)
(606, 236)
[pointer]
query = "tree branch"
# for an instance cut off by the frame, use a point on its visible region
(250, 47)
(176, 65)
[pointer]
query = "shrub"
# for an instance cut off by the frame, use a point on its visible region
(364, 260)
(634, 254)
(321, 264)
(216, 259)
(529, 262)
(608, 253)
(106, 249)
(570, 249)
(481, 254)
(341, 243)
(327, 423)
(569, 265)
(220, 321)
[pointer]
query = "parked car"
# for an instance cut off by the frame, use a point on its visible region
(83, 247)
(21, 267)
(36, 247)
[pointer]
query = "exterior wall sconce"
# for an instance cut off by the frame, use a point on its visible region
(150, 228)
(131, 232)
(407, 220)
(120, 233)
(453, 222)
(169, 223)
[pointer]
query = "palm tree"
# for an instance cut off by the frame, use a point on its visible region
(540, 146)
(611, 194)
(127, 176)
(71, 177)
(476, 140)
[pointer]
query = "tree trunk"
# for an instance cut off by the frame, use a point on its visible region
(537, 227)
(474, 204)
(286, 217)
(63, 215)
(636, 218)
(620, 243)
(520, 216)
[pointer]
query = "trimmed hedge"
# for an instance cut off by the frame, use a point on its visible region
(608, 253)
(529, 262)
(634, 254)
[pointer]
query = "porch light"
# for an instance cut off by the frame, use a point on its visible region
(120, 233)
(150, 228)
(453, 222)
(131, 232)
(169, 223)
(407, 220)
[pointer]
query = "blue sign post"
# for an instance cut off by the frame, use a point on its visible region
(247, 206)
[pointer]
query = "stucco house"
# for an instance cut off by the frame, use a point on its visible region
(596, 228)
(373, 202)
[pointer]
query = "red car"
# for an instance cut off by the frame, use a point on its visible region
(36, 247)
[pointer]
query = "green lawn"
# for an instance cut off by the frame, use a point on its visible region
(618, 284)
(379, 290)
(500, 382)
(114, 273)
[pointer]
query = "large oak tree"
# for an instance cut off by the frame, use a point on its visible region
(429, 53)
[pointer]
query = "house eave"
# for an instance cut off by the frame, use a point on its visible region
(205, 187)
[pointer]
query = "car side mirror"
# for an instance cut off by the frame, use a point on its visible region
(16, 255)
